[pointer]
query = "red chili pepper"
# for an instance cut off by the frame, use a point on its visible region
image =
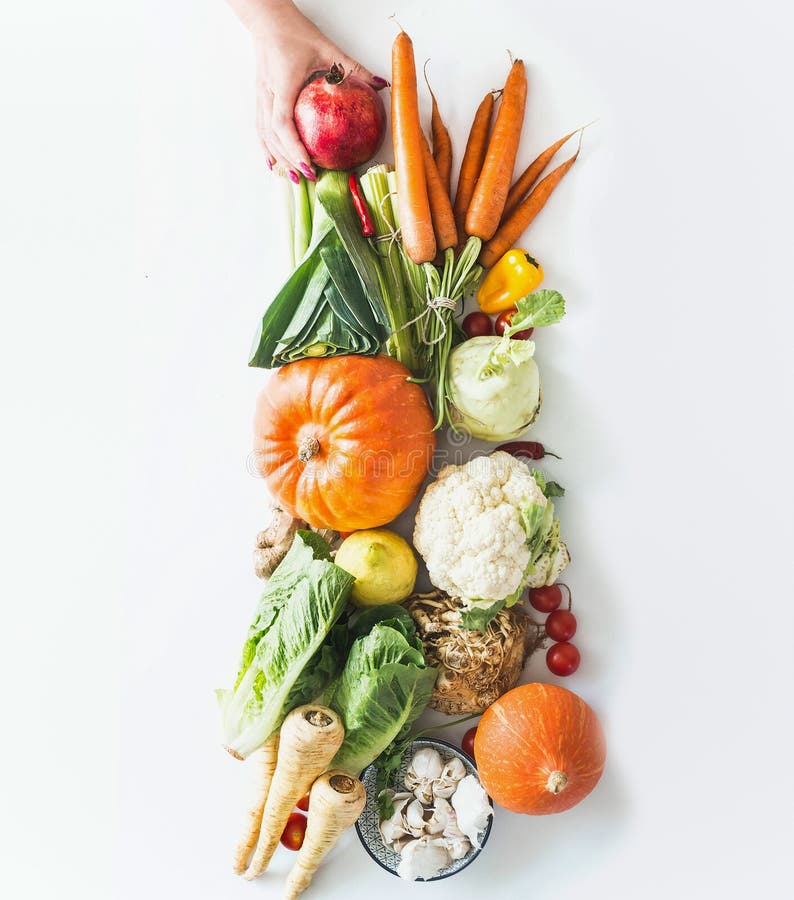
(367, 222)
(527, 450)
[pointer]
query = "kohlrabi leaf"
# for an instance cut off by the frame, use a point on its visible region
(503, 353)
(537, 310)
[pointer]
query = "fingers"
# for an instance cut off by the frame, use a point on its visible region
(353, 67)
(276, 156)
(284, 130)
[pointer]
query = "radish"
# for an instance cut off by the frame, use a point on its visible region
(340, 119)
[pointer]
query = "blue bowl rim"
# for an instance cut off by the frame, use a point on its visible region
(477, 850)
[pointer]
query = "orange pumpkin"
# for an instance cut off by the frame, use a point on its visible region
(343, 442)
(539, 749)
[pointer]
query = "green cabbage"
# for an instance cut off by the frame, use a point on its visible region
(383, 688)
(293, 649)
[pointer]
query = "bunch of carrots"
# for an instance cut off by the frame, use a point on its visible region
(487, 207)
(293, 761)
(488, 214)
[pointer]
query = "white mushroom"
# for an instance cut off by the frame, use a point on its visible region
(423, 858)
(457, 847)
(472, 807)
(443, 820)
(414, 818)
(394, 827)
(426, 766)
(447, 782)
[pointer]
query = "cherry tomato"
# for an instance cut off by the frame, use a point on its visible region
(477, 324)
(303, 803)
(561, 625)
(546, 599)
(467, 744)
(562, 659)
(292, 836)
(503, 323)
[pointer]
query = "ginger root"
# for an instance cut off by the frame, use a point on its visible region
(273, 543)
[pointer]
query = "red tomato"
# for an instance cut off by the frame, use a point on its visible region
(503, 323)
(292, 836)
(467, 744)
(562, 659)
(477, 324)
(561, 625)
(546, 599)
(303, 803)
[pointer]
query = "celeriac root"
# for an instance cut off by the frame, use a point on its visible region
(310, 737)
(265, 760)
(336, 801)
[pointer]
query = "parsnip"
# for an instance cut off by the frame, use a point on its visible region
(265, 760)
(336, 801)
(310, 737)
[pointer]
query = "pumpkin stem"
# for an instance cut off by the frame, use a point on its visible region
(308, 447)
(556, 782)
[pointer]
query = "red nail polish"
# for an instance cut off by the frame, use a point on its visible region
(294, 177)
(378, 83)
(307, 172)
(270, 164)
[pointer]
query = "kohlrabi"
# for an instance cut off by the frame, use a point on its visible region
(493, 382)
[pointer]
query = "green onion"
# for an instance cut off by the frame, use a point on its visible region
(302, 219)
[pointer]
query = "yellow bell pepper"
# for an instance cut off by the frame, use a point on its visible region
(514, 276)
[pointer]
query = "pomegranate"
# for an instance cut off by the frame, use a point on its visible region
(340, 119)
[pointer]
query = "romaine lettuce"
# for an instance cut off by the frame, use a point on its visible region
(383, 688)
(293, 650)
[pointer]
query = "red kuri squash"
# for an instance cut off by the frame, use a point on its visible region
(540, 749)
(343, 442)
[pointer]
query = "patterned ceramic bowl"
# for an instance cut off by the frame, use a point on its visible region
(367, 825)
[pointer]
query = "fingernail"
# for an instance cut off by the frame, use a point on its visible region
(270, 164)
(307, 172)
(294, 177)
(379, 83)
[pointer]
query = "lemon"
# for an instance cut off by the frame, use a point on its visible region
(383, 564)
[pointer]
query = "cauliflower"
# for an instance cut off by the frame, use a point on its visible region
(485, 530)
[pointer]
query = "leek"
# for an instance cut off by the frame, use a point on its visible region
(398, 297)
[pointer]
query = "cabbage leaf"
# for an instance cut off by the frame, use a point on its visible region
(383, 688)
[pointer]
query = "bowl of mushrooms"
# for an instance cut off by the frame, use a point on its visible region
(438, 818)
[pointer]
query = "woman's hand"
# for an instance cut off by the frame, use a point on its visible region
(289, 48)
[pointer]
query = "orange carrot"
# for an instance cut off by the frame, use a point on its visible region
(416, 224)
(512, 229)
(440, 207)
(490, 192)
(473, 157)
(523, 184)
(442, 144)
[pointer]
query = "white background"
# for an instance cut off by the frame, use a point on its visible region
(141, 235)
